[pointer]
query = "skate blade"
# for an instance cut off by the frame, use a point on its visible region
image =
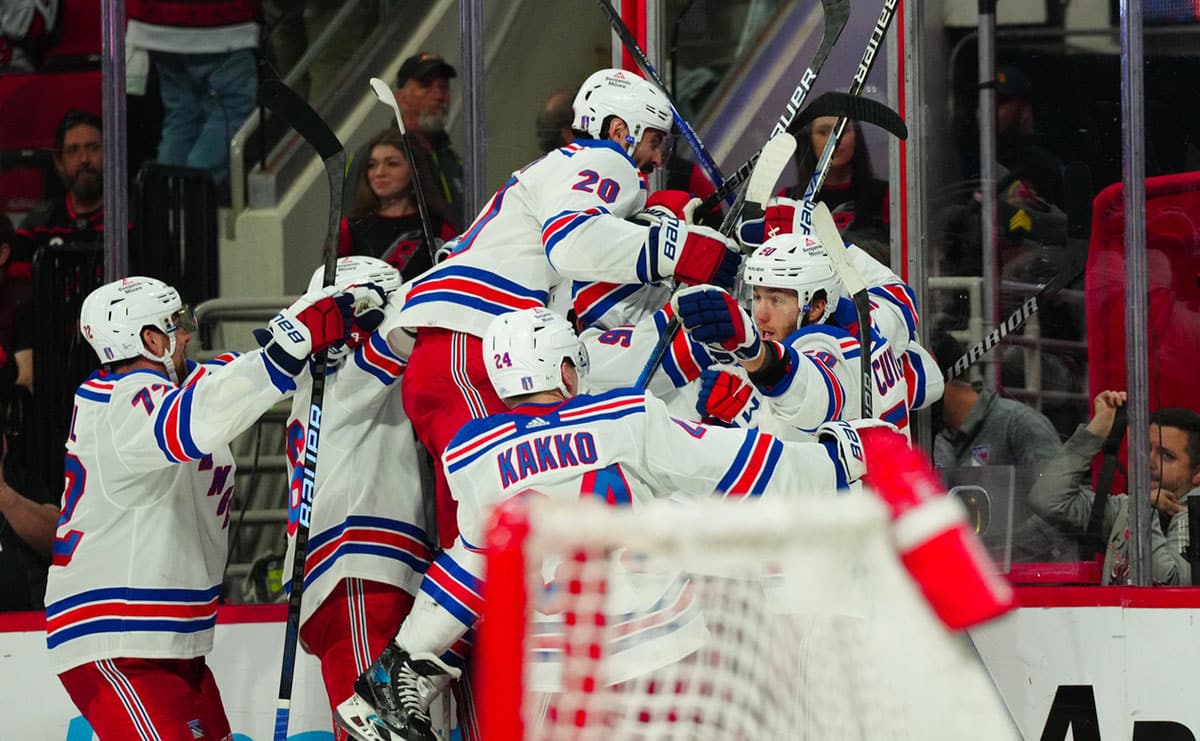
(359, 720)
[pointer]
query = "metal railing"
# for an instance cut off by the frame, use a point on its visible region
(1030, 340)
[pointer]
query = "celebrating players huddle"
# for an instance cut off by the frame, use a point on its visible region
(759, 396)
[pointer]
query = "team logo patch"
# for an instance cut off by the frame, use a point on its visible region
(980, 455)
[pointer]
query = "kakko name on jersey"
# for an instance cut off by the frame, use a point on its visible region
(621, 447)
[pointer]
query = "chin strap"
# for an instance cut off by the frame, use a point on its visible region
(166, 359)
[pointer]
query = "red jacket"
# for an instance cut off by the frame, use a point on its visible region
(192, 13)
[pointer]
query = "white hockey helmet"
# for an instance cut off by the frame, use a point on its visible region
(357, 270)
(524, 351)
(618, 92)
(112, 318)
(797, 262)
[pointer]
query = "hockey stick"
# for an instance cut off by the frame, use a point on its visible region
(285, 103)
(775, 156)
(831, 239)
(832, 103)
(1078, 180)
(835, 13)
(639, 56)
(388, 98)
(855, 107)
(848, 275)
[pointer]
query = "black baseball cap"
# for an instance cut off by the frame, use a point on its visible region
(1013, 83)
(423, 65)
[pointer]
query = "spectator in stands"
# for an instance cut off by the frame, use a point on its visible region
(205, 59)
(859, 200)
(385, 222)
(1061, 498)
(77, 217)
(1017, 147)
(553, 127)
(980, 428)
(28, 515)
(423, 94)
(16, 332)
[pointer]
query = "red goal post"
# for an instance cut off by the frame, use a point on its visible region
(721, 619)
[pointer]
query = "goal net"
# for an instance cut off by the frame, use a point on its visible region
(717, 619)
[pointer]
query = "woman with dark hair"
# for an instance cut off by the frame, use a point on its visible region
(384, 222)
(858, 199)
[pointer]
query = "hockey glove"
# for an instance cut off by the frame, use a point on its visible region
(319, 320)
(710, 315)
(692, 254)
(727, 399)
(936, 542)
(677, 203)
(845, 446)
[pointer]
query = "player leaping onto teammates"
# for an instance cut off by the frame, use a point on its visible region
(621, 446)
(131, 601)
(562, 217)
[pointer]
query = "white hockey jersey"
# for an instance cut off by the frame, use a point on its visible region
(561, 217)
(141, 542)
(367, 519)
(823, 380)
(623, 448)
(617, 356)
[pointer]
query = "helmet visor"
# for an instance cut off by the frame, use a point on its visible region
(183, 319)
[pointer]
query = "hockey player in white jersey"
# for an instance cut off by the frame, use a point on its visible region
(561, 218)
(800, 350)
(368, 547)
(141, 540)
(622, 447)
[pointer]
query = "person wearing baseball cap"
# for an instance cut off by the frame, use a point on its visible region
(423, 93)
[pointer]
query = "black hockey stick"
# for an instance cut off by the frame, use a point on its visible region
(388, 98)
(848, 275)
(754, 194)
(835, 13)
(854, 107)
(1078, 179)
(285, 103)
(639, 56)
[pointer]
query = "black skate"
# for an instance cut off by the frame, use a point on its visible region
(391, 698)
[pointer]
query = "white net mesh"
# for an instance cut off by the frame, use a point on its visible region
(738, 620)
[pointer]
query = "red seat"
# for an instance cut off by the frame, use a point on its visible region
(79, 36)
(1173, 257)
(32, 104)
(30, 108)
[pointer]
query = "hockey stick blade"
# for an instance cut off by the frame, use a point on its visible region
(288, 105)
(752, 199)
(776, 155)
(854, 107)
(827, 231)
(693, 139)
(384, 92)
(836, 13)
(1078, 196)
